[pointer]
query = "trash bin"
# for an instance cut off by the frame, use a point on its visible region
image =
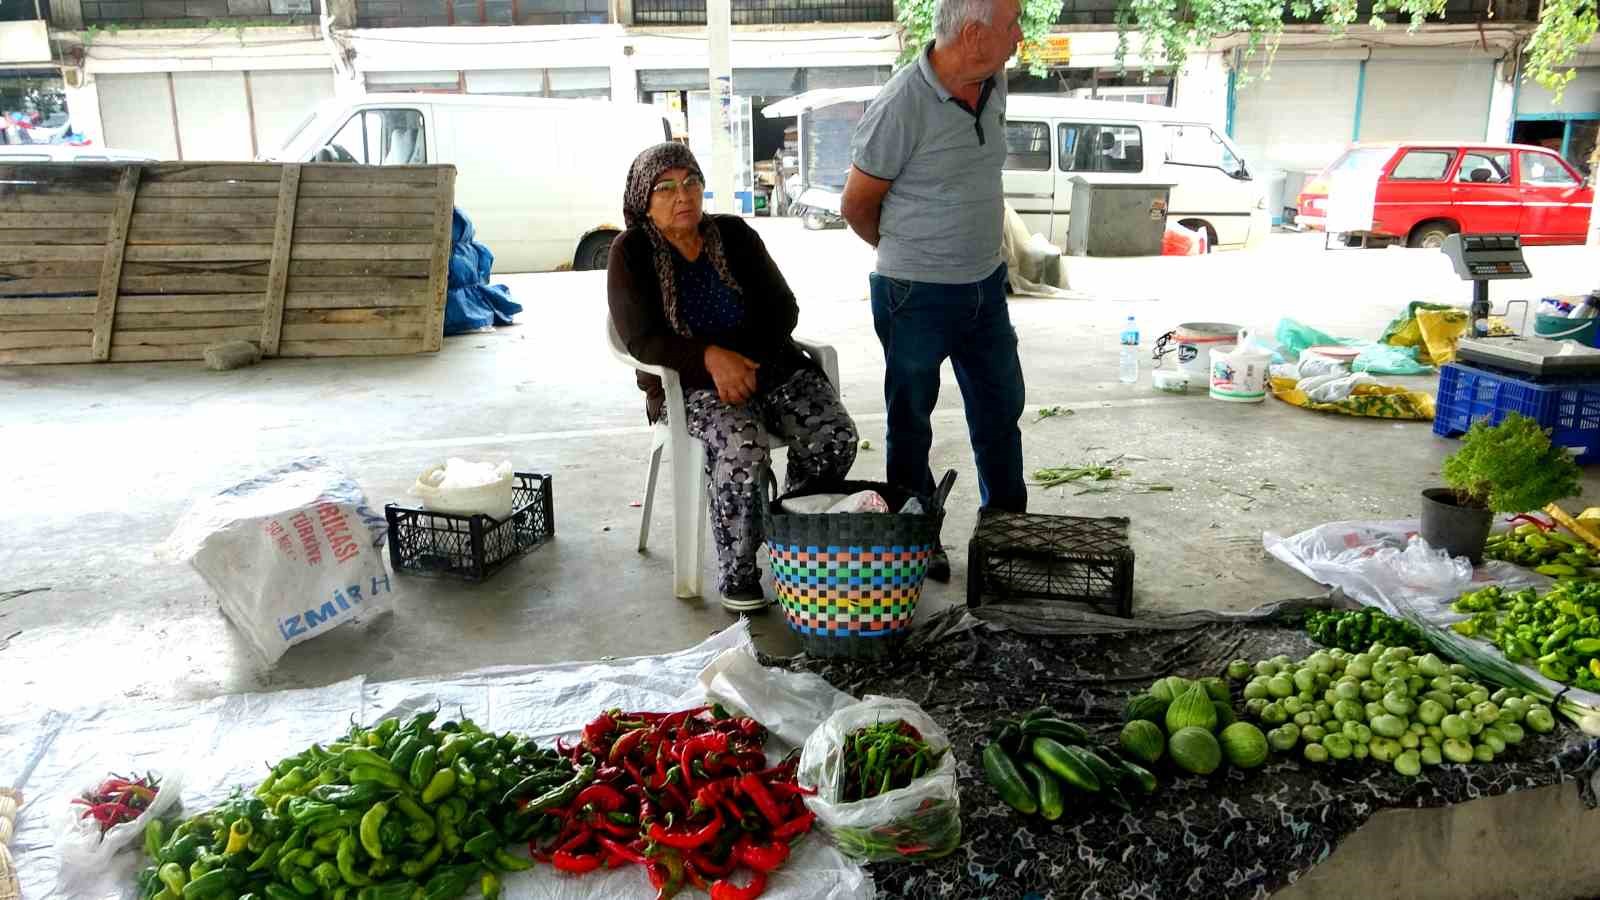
(1127, 219)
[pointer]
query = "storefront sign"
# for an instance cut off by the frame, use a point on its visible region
(1054, 50)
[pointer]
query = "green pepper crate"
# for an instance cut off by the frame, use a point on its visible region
(1032, 556)
(429, 543)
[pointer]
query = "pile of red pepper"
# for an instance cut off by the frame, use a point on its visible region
(118, 800)
(688, 795)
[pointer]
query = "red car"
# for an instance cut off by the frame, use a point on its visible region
(1426, 191)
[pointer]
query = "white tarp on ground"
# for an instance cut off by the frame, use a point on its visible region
(229, 740)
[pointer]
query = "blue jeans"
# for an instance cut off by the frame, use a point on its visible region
(920, 325)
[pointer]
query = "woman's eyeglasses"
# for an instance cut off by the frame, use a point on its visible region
(667, 186)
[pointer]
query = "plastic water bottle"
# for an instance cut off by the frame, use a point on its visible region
(1128, 369)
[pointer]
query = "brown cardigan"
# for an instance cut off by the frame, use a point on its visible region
(771, 312)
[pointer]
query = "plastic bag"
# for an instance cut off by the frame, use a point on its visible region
(463, 487)
(921, 821)
(291, 553)
(791, 705)
(811, 504)
(1180, 240)
(861, 502)
(84, 852)
(1333, 387)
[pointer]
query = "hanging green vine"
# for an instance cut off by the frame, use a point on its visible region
(1565, 27)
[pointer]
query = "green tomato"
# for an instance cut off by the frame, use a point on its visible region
(1463, 688)
(1371, 691)
(1348, 711)
(1486, 712)
(1382, 671)
(1474, 724)
(1430, 713)
(1483, 753)
(1463, 705)
(1514, 709)
(1460, 671)
(1388, 726)
(1359, 751)
(1478, 695)
(1376, 650)
(1430, 755)
(1539, 719)
(1323, 712)
(1408, 764)
(1417, 684)
(1443, 683)
(1274, 714)
(1283, 738)
(1430, 666)
(1500, 697)
(1293, 705)
(1323, 681)
(1359, 666)
(1256, 690)
(1397, 686)
(1436, 733)
(1312, 733)
(1267, 668)
(1384, 749)
(1445, 699)
(1347, 690)
(1320, 663)
(1457, 751)
(1454, 727)
(1280, 686)
(1338, 746)
(1239, 669)
(1304, 717)
(1510, 732)
(1374, 710)
(1254, 706)
(1494, 740)
(1401, 671)
(1305, 680)
(1398, 654)
(1418, 729)
(1315, 753)
(1410, 741)
(1398, 704)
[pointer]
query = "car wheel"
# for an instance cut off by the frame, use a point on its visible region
(595, 252)
(1431, 235)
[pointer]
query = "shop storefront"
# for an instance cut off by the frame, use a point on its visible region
(1568, 126)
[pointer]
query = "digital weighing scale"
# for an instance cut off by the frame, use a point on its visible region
(1481, 258)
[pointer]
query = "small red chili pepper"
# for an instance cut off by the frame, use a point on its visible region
(1533, 520)
(576, 863)
(686, 840)
(761, 857)
(753, 788)
(707, 866)
(596, 732)
(796, 826)
(725, 889)
(699, 746)
(603, 797)
(625, 745)
(623, 851)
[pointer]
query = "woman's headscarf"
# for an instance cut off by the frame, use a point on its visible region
(642, 177)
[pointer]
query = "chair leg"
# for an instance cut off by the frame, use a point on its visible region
(649, 496)
(688, 518)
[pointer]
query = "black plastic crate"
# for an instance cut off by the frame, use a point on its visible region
(1030, 556)
(425, 542)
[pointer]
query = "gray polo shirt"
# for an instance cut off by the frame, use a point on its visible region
(943, 214)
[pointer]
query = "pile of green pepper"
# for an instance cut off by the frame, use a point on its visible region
(1354, 630)
(1557, 633)
(1544, 548)
(392, 812)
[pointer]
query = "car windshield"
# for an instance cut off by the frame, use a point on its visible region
(283, 146)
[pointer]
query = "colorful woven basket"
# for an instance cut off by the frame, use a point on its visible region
(849, 582)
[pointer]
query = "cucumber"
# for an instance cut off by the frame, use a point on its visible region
(1007, 781)
(1054, 756)
(1104, 772)
(1060, 729)
(1138, 775)
(1052, 803)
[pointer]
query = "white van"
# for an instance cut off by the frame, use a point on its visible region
(541, 180)
(1051, 140)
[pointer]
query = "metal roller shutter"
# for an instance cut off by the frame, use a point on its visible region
(283, 100)
(1298, 119)
(1436, 101)
(213, 116)
(136, 113)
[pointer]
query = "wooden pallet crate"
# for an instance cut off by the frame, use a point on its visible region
(125, 263)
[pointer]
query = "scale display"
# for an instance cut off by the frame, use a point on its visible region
(1486, 257)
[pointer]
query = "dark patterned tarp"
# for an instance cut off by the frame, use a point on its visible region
(1236, 834)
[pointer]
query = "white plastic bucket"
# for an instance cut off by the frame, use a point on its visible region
(1239, 374)
(1195, 342)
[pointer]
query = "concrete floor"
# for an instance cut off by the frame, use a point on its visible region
(101, 460)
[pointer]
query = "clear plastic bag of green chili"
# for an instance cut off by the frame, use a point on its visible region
(919, 821)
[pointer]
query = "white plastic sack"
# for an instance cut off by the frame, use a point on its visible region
(85, 853)
(811, 504)
(463, 487)
(791, 704)
(1335, 386)
(921, 821)
(861, 502)
(291, 554)
(1386, 565)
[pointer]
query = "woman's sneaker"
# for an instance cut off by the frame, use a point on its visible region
(745, 600)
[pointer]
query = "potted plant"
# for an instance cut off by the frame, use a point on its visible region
(1507, 468)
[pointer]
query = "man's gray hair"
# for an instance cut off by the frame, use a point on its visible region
(954, 15)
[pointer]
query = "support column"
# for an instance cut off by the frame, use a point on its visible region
(719, 28)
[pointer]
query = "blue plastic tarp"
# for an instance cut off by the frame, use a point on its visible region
(472, 303)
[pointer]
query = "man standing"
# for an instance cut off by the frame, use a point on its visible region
(925, 190)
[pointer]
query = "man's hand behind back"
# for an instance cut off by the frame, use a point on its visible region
(862, 204)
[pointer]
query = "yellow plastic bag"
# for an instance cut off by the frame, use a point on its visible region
(1367, 401)
(1439, 330)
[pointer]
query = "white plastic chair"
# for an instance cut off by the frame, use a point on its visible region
(688, 466)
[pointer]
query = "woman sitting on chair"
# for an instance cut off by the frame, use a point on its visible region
(699, 294)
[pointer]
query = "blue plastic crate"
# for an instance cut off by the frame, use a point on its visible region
(1571, 411)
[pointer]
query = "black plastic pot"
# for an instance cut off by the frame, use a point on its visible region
(1458, 530)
